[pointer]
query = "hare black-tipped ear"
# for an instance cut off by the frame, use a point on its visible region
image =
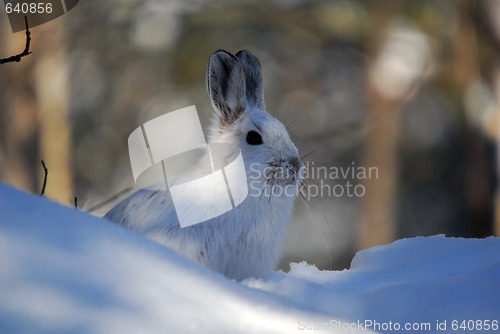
(253, 78)
(226, 85)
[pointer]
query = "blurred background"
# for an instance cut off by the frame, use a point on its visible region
(409, 87)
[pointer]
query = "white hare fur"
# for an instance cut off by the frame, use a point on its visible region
(246, 241)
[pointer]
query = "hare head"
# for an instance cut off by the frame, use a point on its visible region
(235, 87)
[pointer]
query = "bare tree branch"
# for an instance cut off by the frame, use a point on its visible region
(17, 58)
(44, 178)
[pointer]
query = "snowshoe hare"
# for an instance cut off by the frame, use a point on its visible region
(245, 241)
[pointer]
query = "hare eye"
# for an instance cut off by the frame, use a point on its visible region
(254, 138)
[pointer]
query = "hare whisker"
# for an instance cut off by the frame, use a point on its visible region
(316, 227)
(289, 126)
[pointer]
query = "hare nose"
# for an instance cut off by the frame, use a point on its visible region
(293, 164)
(292, 167)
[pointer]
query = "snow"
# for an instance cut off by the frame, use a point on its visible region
(413, 281)
(64, 271)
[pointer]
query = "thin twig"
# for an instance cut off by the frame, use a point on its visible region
(17, 58)
(46, 171)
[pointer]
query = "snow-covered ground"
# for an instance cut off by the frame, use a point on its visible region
(64, 271)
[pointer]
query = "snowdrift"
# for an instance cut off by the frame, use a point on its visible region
(64, 271)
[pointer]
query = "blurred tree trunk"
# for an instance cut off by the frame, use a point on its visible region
(18, 115)
(378, 220)
(52, 90)
(491, 10)
(33, 117)
(398, 68)
(495, 133)
(466, 72)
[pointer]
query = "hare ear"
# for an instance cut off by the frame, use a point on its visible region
(226, 85)
(253, 78)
